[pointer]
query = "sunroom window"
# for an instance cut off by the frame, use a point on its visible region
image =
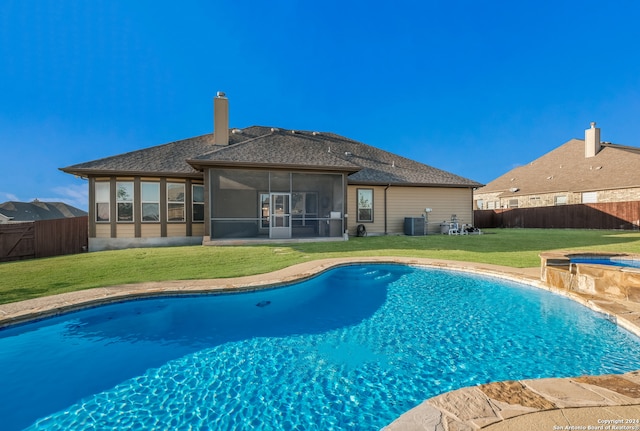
(150, 201)
(175, 202)
(124, 199)
(198, 202)
(102, 193)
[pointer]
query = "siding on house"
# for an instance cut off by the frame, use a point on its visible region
(411, 202)
(444, 202)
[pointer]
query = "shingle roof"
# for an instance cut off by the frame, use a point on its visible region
(566, 169)
(37, 210)
(162, 159)
(266, 146)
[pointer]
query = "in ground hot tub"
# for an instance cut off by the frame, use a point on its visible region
(612, 275)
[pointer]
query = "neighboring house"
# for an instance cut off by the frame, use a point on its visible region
(577, 172)
(261, 182)
(19, 212)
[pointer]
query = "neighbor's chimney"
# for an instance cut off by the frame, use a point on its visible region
(592, 140)
(221, 119)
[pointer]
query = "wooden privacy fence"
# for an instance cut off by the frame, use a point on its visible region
(43, 238)
(612, 215)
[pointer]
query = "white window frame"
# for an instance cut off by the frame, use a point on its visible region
(590, 197)
(174, 204)
(102, 197)
(123, 200)
(146, 200)
(195, 202)
(560, 200)
(360, 208)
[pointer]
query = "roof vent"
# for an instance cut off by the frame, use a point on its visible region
(348, 153)
(275, 129)
(513, 189)
(315, 133)
(236, 131)
(293, 132)
(550, 177)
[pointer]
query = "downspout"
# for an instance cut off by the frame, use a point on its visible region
(473, 211)
(385, 208)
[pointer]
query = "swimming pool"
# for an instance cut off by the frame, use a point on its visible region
(352, 348)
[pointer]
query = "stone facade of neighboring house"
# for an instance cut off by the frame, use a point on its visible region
(577, 172)
(261, 183)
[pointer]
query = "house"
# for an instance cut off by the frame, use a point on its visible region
(577, 172)
(19, 212)
(261, 183)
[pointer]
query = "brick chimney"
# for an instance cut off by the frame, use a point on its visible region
(221, 119)
(592, 140)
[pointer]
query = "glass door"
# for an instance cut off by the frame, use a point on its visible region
(280, 226)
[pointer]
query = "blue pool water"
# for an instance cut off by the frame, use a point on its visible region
(628, 263)
(351, 349)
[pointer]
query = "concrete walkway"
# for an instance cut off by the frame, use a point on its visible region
(588, 402)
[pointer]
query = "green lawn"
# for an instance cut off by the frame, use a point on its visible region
(511, 247)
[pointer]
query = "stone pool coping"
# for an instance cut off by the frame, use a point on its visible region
(528, 404)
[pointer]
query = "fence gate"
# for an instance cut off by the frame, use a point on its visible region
(17, 241)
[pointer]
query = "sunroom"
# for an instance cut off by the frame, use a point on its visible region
(275, 204)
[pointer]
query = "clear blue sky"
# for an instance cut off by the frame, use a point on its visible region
(472, 87)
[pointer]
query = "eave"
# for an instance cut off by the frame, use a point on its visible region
(396, 184)
(203, 164)
(86, 173)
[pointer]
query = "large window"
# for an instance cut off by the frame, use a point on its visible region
(102, 193)
(589, 197)
(365, 205)
(150, 201)
(175, 202)
(198, 202)
(560, 200)
(124, 198)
